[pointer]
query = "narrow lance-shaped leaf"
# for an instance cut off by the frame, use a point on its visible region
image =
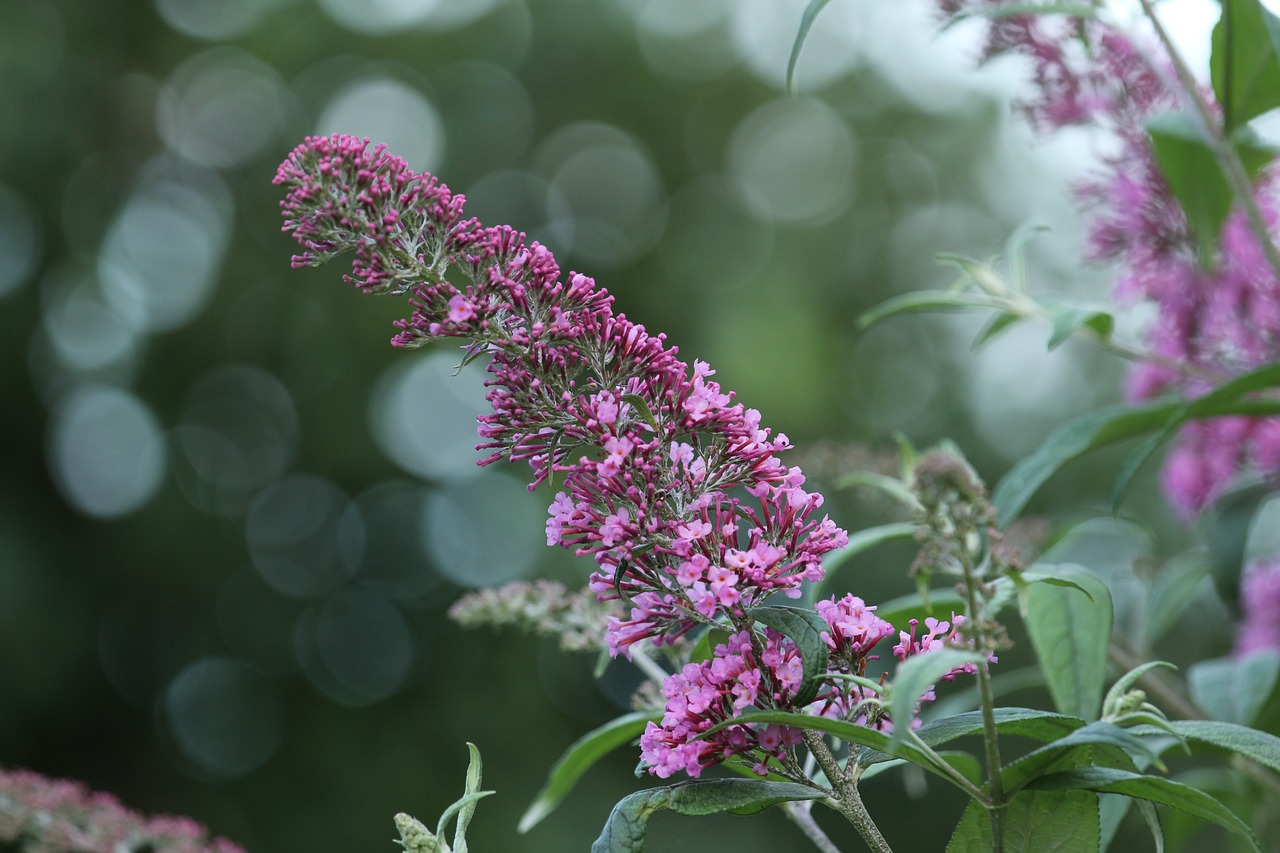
(806, 23)
(1116, 423)
(929, 300)
(475, 774)
(1224, 396)
(1051, 756)
(1156, 789)
(915, 676)
(625, 830)
(579, 758)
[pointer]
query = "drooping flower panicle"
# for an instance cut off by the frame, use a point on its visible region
(673, 488)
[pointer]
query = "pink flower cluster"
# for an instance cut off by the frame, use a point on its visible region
(674, 489)
(43, 815)
(1215, 318)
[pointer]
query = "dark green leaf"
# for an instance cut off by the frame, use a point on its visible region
(1026, 722)
(1191, 169)
(1225, 526)
(805, 629)
(625, 830)
(580, 757)
(1156, 789)
(806, 23)
(1234, 690)
(929, 300)
(1070, 634)
(1065, 752)
(1243, 67)
(850, 732)
(1060, 821)
(642, 406)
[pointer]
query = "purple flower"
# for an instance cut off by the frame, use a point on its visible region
(1216, 318)
(58, 814)
(1260, 603)
(673, 488)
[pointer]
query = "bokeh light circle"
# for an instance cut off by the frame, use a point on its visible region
(20, 241)
(355, 647)
(236, 435)
(224, 717)
(106, 450)
(485, 531)
(161, 258)
(389, 111)
(304, 536)
(221, 108)
(424, 417)
(794, 161)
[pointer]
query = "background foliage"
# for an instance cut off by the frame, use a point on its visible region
(232, 518)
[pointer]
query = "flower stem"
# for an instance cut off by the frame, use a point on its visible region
(845, 798)
(802, 816)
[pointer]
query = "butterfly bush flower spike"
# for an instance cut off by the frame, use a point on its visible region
(674, 489)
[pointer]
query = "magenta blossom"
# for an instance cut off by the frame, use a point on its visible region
(673, 488)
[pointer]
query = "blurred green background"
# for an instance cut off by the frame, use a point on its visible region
(232, 518)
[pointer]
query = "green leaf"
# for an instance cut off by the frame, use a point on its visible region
(475, 773)
(642, 406)
(1025, 722)
(580, 757)
(1156, 789)
(1191, 170)
(1070, 634)
(1066, 750)
(1190, 167)
(929, 300)
(850, 732)
(1258, 746)
(1116, 423)
(806, 23)
(892, 486)
(1180, 583)
(1210, 405)
(1069, 317)
(1234, 690)
(1061, 821)
(625, 830)
(915, 676)
(1243, 66)
(995, 326)
(804, 628)
(464, 803)
(1225, 527)
(1069, 441)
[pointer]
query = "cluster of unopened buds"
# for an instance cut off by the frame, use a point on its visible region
(673, 489)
